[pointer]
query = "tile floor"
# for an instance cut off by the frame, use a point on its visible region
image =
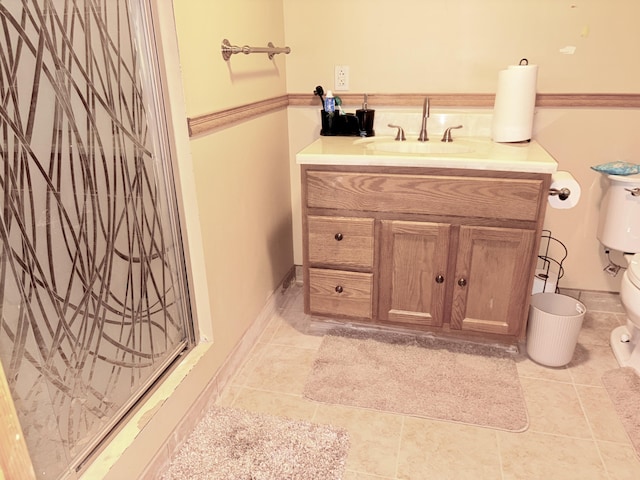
(574, 432)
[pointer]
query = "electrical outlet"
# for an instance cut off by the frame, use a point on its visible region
(341, 79)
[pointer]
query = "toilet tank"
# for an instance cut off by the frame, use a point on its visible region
(619, 222)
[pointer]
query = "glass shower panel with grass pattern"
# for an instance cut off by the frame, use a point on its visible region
(92, 281)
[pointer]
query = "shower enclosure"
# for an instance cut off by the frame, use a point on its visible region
(93, 293)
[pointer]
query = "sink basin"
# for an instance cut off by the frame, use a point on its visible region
(422, 148)
(414, 147)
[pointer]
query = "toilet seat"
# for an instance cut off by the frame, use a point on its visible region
(633, 271)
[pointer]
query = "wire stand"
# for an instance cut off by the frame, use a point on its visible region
(551, 256)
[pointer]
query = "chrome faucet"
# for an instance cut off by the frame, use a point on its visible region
(400, 135)
(423, 137)
(447, 134)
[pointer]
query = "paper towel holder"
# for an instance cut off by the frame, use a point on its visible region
(562, 193)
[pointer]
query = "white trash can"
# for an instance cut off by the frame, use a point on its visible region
(555, 321)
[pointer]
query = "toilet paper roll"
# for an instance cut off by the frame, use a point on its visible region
(514, 104)
(560, 180)
(544, 282)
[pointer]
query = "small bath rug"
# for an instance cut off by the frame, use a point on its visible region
(623, 387)
(236, 444)
(419, 376)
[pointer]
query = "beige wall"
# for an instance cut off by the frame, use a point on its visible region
(212, 84)
(450, 46)
(443, 46)
(240, 184)
(579, 138)
(241, 172)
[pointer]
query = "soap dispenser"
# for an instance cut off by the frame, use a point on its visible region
(365, 119)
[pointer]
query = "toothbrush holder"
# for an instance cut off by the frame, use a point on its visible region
(334, 124)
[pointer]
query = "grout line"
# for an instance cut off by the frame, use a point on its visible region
(371, 475)
(593, 437)
(553, 380)
(264, 390)
(400, 437)
(288, 312)
(315, 416)
(499, 446)
(560, 435)
(289, 345)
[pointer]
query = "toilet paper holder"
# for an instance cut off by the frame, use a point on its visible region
(549, 266)
(562, 193)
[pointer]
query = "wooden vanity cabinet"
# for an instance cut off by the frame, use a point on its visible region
(450, 251)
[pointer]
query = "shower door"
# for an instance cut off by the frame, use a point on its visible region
(93, 294)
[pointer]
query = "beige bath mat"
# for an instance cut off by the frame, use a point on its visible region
(419, 376)
(239, 445)
(623, 387)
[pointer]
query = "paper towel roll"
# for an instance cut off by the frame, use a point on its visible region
(560, 180)
(514, 104)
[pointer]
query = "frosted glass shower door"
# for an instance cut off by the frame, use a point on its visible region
(92, 281)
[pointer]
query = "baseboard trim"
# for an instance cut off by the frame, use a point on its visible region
(212, 392)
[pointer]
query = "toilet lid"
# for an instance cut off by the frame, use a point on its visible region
(634, 270)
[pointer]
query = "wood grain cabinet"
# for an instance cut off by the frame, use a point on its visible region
(413, 274)
(341, 251)
(449, 251)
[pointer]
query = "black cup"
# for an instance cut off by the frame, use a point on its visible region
(365, 118)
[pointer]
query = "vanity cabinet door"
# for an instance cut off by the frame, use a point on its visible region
(413, 270)
(491, 284)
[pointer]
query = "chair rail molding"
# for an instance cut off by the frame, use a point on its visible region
(209, 122)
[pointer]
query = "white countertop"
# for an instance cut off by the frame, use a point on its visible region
(481, 154)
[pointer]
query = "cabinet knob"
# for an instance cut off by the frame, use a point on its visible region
(462, 282)
(338, 236)
(339, 289)
(439, 279)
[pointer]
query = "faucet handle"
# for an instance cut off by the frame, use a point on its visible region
(447, 134)
(400, 135)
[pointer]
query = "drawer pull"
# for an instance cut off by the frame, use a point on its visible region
(338, 236)
(339, 289)
(462, 282)
(439, 279)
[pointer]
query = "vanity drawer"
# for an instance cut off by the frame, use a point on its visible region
(340, 293)
(466, 196)
(341, 241)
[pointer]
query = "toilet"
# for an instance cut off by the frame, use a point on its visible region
(619, 229)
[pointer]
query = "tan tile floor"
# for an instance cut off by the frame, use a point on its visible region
(574, 432)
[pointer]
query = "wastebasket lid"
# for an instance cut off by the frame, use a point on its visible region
(634, 270)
